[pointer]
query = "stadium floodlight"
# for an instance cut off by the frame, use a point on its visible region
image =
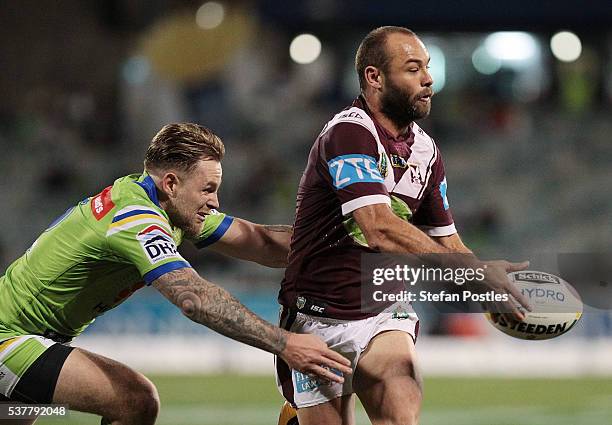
(136, 70)
(210, 15)
(437, 67)
(566, 46)
(305, 48)
(485, 63)
(512, 46)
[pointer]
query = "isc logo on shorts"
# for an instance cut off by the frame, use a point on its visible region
(157, 244)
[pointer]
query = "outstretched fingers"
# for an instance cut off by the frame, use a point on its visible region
(309, 354)
(516, 267)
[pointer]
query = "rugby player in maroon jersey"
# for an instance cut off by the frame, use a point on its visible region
(374, 182)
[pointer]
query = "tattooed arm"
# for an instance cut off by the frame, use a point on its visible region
(263, 244)
(214, 307)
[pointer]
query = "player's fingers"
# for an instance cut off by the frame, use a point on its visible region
(337, 357)
(515, 313)
(515, 267)
(325, 374)
(518, 296)
(511, 311)
(335, 364)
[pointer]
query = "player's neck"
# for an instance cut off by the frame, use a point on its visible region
(161, 196)
(374, 106)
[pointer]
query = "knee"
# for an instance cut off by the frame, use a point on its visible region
(142, 403)
(407, 418)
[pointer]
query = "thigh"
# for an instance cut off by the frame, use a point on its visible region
(339, 411)
(95, 384)
(387, 379)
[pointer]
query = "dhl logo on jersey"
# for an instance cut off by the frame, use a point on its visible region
(157, 244)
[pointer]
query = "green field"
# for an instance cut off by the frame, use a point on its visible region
(247, 400)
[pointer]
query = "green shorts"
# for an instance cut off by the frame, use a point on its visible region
(22, 355)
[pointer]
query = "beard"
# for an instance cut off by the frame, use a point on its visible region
(401, 107)
(179, 218)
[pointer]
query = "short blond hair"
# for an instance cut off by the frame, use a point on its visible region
(181, 146)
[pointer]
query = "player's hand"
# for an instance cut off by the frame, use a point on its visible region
(496, 278)
(309, 354)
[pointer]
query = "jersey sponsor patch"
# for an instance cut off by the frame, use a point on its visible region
(157, 244)
(102, 203)
(349, 169)
(307, 383)
(443, 187)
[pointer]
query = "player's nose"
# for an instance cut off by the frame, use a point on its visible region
(213, 201)
(427, 80)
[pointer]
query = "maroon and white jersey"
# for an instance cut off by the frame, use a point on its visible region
(353, 163)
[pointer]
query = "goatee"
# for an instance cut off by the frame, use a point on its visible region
(401, 108)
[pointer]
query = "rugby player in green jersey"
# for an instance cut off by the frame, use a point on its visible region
(100, 251)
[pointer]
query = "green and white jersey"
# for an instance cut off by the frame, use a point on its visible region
(92, 258)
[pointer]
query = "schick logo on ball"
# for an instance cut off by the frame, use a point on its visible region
(537, 277)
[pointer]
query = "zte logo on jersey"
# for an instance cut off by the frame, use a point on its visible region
(157, 244)
(443, 187)
(348, 169)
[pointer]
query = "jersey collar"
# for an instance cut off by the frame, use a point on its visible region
(146, 182)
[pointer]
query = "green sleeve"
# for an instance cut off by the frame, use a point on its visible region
(144, 238)
(213, 228)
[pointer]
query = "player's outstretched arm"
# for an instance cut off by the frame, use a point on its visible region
(212, 306)
(264, 244)
(386, 232)
(453, 242)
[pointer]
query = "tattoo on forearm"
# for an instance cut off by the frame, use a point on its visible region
(282, 228)
(213, 306)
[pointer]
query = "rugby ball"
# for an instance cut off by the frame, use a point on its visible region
(557, 307)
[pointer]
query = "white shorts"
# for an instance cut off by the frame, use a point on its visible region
(347, 337)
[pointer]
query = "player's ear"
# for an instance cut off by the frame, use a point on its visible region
(373, 77)
(169, 183)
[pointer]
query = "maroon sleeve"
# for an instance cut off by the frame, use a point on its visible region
(434, 214)
(349, 161)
